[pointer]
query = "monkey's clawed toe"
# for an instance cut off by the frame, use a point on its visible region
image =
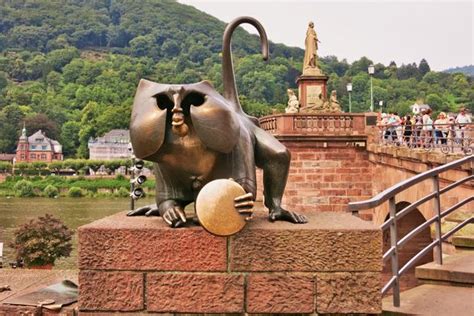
(284, 215)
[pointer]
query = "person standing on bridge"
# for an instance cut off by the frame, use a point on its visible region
(462, 120)
(427, 129)
(441, 129)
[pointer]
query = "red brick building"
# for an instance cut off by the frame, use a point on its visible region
(37, 147)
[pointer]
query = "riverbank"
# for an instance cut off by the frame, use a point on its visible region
(73, 212)
(72, 186)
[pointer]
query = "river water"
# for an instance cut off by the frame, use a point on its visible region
(74, 212)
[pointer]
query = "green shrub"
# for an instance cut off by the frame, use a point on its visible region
(5, 166)
(51, 191)
(24, 188)
(75, 192)
(122, 192)
(120, 177)
(42, 241)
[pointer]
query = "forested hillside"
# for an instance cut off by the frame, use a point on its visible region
(467, 70)
(70, 67)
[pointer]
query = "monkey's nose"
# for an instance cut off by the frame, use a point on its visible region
(177, 104)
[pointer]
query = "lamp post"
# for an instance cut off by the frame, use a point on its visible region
(349, 90)
(371, 73)
(381, 106)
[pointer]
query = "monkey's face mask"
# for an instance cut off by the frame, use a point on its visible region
(159, 109)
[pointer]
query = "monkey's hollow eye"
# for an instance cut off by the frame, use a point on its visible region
(164, 102)
(194, 99)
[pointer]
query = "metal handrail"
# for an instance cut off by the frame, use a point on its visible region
(391, 223)
(402, 186)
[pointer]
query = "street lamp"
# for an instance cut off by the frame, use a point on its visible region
(371, 73)
(381, 106)
(349, 89)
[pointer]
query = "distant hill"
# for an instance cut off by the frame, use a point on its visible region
(467, 70)
(153, 28)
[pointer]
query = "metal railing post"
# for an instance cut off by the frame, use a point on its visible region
(393, 243)
(438, 252)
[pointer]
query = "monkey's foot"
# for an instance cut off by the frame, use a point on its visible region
(280, 214)
(148, 210)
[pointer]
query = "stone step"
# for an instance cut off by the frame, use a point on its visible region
(463, 242)
(431, 299)
(457, 270)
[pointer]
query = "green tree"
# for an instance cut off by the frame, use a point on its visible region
(42, 122)
(70, 138)
(3, 81)
(423, 67)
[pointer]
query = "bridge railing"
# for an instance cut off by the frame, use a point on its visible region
(337, 124)
(394, 216)
(447, 138)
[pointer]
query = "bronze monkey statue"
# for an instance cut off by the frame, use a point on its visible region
(194, 135)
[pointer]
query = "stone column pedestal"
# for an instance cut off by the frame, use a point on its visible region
(330, 265)
(312, 89)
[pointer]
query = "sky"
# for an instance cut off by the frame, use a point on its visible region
(402, 31)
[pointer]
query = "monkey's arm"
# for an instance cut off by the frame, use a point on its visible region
(147, 210)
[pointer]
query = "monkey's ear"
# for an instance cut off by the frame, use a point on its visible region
(148, 122)
(217, 126)
(207, 82)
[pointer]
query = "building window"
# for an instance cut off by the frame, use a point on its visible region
(33, 146)
(43, 156)
(22, 157)
(33, 156)
(43, 147)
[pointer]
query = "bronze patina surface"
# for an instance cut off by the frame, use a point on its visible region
(215, 207)
(195, 135)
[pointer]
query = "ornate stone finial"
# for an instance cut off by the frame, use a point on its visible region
(310, 63)
(293, 103)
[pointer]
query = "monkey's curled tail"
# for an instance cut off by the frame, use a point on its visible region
(230, 88)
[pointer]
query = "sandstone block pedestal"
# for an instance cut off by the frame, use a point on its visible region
(330, 265)
(312, 89)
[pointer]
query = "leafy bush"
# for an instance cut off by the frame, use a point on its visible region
(24, 188)
(5, 166)
(75, 192)
(51, 191)
(42, 241)
(122, 192)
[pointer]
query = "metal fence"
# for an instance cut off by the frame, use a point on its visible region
(391, 224)
(446, 138)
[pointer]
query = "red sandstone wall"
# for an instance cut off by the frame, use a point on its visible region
(325, 178)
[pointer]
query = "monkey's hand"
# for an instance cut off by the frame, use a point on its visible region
(147, 210)
(174, 216)
(280, 214)
(244, 205)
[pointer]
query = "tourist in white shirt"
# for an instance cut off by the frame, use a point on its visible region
(462, 119)
(427, 129)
